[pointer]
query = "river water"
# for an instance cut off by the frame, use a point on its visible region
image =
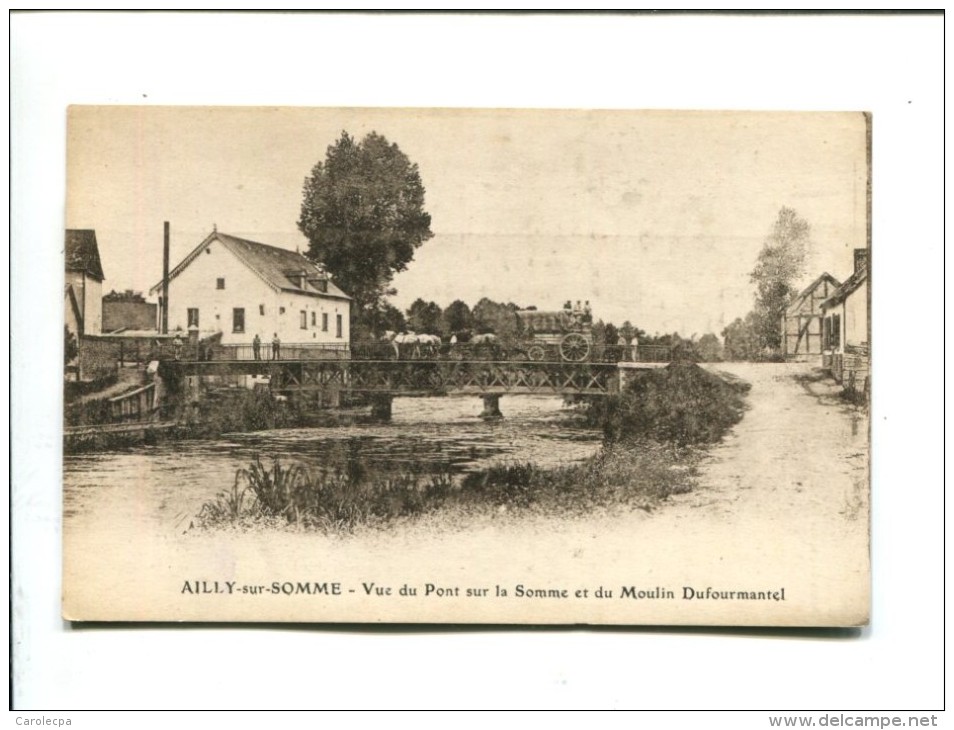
(169, 482)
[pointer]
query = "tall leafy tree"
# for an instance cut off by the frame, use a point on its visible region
(708, 348)
(742, 338)
(424, 317)
(780, 264)
(499, 318)
(363, 213)
(457, 317)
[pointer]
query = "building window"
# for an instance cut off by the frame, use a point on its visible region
(338, 326)
(324, 321)
(261, 309)
(193, 317)
(220, 283)
(836, 330)
(281, 310)
(314, 321)
(238, 320)
(826, 333)
(304, 319)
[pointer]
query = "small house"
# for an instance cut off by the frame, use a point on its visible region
(846, 328)
(84, 283)
(802, 335)
(240, 289)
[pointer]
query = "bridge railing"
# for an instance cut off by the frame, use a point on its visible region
(283, 351)
(137, 405)
(519, 352)
(462, 351)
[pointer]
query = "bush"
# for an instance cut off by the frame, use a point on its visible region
(681, 403)
(240, 410)
(73, 389)
(332, 500)
(638, 474)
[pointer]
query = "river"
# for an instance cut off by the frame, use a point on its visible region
(168, 483)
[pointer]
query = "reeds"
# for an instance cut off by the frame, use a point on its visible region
(330, 500)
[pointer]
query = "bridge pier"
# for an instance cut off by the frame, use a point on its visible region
(491, 407)
(381, 407)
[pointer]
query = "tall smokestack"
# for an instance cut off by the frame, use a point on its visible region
(165, 278)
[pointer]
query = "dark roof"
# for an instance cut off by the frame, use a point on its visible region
(796, 303)
(82, 253)
(845, 290)
(277, 267)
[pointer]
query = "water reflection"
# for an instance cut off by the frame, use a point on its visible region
(171, 481)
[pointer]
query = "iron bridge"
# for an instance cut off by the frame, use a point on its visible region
(419, 377)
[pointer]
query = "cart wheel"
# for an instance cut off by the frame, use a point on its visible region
(536, 352)
(574, 347)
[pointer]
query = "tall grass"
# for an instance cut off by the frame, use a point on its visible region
(330, 500)
(339, 501)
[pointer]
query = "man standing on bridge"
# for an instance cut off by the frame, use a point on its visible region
(276, 347)
(257, 347)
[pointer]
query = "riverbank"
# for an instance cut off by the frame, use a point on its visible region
(635, 475)
(653, 431)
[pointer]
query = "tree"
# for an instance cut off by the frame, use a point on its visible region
(708, 348)
(780, 264)
(424, 317)
(377, 320)
(70, 346)
(742, 338)
(457, 317)
(501, 319)
(363, 213)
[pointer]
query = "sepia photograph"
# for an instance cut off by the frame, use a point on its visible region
(467, 366)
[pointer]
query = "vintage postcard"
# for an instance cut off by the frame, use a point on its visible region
(467, 366)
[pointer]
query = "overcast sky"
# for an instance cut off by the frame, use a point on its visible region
(655, 217)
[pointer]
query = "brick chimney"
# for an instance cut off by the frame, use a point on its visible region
(861, 259)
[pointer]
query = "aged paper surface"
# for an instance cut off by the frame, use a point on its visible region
(652, 218)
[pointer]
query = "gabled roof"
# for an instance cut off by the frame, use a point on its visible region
(277, 267)
(847, 289)
(82, 253)
(807, 291)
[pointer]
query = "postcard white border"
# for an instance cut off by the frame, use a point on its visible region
(889, 65)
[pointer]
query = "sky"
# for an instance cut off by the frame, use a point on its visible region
(654, 217)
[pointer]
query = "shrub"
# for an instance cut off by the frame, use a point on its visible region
(331, 500)
(681, 403)
(240, 410)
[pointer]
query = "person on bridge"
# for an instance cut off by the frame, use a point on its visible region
(257, 347)
(276, 347)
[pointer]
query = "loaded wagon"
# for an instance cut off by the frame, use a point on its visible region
(564, 335)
